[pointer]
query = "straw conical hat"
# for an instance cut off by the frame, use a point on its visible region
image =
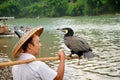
(18, 47)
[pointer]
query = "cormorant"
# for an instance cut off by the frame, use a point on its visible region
(77, 45)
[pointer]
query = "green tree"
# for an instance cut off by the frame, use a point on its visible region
(10, 8)
(38, 9)
(71, 8)
(111, 6)
(57, 7)
(92, 7)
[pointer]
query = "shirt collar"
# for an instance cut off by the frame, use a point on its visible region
(24, 56)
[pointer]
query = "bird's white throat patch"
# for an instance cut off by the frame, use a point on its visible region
(65, 31)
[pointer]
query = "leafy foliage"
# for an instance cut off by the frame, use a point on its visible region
(57, 8)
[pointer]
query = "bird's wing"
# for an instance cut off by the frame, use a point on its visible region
(76, 43)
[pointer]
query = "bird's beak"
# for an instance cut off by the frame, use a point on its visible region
(63, 30)
(58, 29)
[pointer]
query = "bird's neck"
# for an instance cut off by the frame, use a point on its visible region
(69, 34)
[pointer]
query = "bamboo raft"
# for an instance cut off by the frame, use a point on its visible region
(11, 63)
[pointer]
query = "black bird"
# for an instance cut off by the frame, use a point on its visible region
(77, 45)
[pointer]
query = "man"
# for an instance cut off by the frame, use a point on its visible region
(28, 46)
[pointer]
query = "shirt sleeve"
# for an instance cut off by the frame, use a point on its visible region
(45, 72)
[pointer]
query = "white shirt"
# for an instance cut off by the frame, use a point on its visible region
(36, 70)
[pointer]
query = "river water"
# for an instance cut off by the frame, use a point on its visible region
(101, 32)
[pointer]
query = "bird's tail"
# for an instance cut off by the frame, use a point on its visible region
(90, 55)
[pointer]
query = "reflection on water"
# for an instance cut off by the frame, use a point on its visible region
(102, 33)
(6, 45)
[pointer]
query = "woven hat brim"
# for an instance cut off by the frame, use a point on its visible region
(18, 47)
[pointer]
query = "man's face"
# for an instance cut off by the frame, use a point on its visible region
(37, 45)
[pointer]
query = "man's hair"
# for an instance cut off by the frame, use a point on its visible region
(25, 45)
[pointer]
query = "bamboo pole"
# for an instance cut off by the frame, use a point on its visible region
(11, 63)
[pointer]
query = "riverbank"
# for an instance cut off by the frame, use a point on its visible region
(5, 72)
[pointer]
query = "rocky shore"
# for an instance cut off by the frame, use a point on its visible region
(5, 72)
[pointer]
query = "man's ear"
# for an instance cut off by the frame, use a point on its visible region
(30, 45)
